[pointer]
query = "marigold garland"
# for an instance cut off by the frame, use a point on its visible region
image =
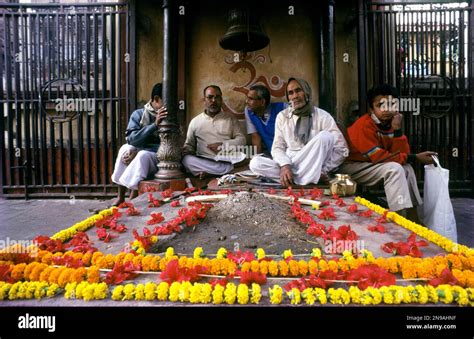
(443, 242)
(28, 290)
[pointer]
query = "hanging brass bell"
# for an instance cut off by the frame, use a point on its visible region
(244, 33)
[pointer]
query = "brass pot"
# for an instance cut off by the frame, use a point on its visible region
(342, 185)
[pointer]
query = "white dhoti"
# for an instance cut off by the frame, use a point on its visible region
(306, 164)
(399, 182)
(141, 167)
(197, 165)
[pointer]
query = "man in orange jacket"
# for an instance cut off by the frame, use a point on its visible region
(373, 138)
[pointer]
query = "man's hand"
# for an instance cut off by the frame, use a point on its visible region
(128, 156)
(425, 157)
(161, 114)
(216, 147)
(397, 121)
(286, 175)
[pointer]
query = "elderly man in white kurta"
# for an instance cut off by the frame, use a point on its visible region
(307, 145)
(208, 133)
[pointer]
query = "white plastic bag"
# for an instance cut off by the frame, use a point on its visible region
(438, 212)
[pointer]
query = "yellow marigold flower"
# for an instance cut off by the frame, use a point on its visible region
(445, 294)
(195, 293)
(169, 252)
(117, 293)
(347, 255)
(283, 267)
(315, 206)
(184, 291)
(140, 292)
(260, 253)
(316, 253)
(367, 255)
(4, 289)
(308, 296)
(141, 251)
(12, 293)
(276, 294)
(218, 294)
(88, 293)
(128, 291)
(162, 291)
(287, 254)
(255, 293)
(221, 253)
(150, 291)
(230, 293)
(53, 289)
(243, 294)
(422, 294)
(355, 293)
(206, 290)
(295, 296)
(273, 268)
(100, 291)
(70, 291)
(198, 253)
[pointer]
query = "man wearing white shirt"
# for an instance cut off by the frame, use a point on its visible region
(208, 133)
(307, 145)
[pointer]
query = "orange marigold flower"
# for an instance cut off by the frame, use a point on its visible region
(97, 256)
(54, 275)
(35, 273)
(78, 275)
(254, 266)
(46, 258)
(63, 278)
(245, 267)
(303, 267)
(293, 268)
(86, 258)
(264, 267)
(44, 276)
(28, 269)
(323, 265)
(93, 274)
(283, 267)
(333, 266)
(17, 271)
(313, 267)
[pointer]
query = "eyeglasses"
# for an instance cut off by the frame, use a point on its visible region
(213, 97)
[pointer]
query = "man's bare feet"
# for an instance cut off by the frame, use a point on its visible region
(203, 175)
(117, 202)
(133, 194)
(121, 196)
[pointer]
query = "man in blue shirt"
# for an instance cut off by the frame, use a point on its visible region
(260, 116)
(137, 160)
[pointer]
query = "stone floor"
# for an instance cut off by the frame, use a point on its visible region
(23, 220)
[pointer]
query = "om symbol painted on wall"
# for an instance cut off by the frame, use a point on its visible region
(275, 85)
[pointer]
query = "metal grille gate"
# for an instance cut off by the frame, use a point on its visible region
(66, 93)
(425, 49)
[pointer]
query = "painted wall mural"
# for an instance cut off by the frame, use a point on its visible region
(246, 64)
